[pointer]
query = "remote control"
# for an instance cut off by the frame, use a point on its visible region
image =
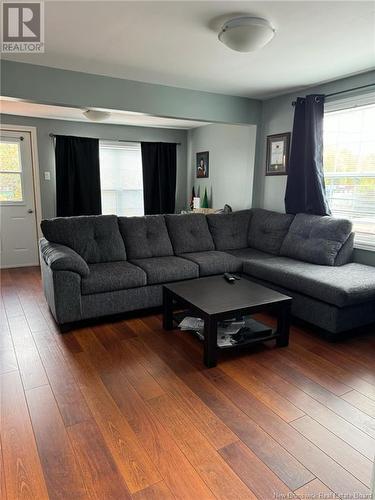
(229, 278)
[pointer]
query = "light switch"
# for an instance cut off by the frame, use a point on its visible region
(47, 176)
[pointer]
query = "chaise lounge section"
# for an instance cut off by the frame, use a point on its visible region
(94, 266)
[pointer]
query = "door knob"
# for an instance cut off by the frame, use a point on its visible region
(30, 211)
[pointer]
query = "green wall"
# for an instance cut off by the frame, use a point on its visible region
(71, 88)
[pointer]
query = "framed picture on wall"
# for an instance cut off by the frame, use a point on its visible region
(277, 154)
(202, 167)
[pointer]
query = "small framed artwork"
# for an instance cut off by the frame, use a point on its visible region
(278, 154)
(202, 165)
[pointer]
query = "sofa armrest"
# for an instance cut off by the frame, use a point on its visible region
(62, 258)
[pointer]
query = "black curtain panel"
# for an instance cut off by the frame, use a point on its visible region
(77, 176)
(305, 190)
(159, 177)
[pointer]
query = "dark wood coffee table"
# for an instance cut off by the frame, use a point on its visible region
(214, 299)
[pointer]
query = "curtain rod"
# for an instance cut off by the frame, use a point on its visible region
(122, 140)
(345, 91)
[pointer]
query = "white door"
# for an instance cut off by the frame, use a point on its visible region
(18, 240)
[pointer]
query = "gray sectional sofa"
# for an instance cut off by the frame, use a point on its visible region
(104, 265)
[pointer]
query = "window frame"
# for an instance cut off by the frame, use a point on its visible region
(18, 141)
(120, 144)
(348, 103)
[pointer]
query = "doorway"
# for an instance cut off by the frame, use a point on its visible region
(18, 206)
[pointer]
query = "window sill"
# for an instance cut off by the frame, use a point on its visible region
(364, 246)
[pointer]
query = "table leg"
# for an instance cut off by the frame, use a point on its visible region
(283, 323)
(210, 342)
(167, 310)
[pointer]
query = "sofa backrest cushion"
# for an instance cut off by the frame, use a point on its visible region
(145, 237)
(316, 239)
(96, 238)
(189, 233)
(229, 231)
(268, 229)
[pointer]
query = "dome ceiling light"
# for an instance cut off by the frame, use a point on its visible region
(96, 116)
(246, 34)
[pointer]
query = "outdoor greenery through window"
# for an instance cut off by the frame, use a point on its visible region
(121, 178)
(10, 173)
(349, 168)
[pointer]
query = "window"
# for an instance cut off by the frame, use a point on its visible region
(121, 178)
(349, 168)
(10, 172)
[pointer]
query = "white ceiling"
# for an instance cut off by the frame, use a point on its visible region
(21, 108)
(175, 43)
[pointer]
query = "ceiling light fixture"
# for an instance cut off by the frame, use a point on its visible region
(96, 116)
(246, 34)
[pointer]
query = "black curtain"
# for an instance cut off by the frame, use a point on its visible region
(77, 176)
(159, 177)
(305, 190)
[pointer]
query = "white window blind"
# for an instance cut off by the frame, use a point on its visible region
(121, 178)
(349, 166)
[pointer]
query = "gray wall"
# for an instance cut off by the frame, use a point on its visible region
(110, 132)
(82, 90)
(277, 116)
(231, 163)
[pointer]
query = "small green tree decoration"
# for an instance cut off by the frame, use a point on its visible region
(204, 203)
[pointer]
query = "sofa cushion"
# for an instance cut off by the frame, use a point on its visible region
(341, 286)
(96, 238)
(251, 254)
(112, 276)
(145, 237)
(229, 231)
(268, 229)
(189, 233)
(166, 269)
(214, 262)
(316, 239)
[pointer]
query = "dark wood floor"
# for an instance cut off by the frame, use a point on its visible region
(126, 410)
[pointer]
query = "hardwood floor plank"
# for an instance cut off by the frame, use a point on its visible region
(179, 475)
(254, 473)
(332, 354)
(284, 465)
(30, 365)
(11, 301)
(279, 405)
(331, 401)
(218, 434)
(99, 471)
(338, 372)
(23, 474)
(273, 376)
(315, 489)
(8, 360)
(3, 491)
(361, 402)
(69, 398)
(343, 454)
(322, 466)
(158, 491)
(61, 470)
(308, 369)
(131, 459)
(138, 376)
(220, 478)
